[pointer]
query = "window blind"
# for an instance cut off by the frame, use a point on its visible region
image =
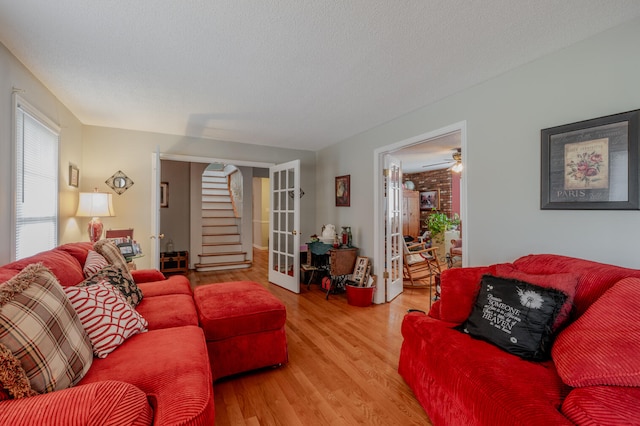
(36, 180)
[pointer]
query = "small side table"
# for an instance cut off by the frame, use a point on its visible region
(174, 262)
(341, 264)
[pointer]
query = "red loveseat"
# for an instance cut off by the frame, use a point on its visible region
(159, 377)
(592, 375)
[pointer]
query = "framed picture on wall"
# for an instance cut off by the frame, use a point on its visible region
(343, 191)
(74, 176)
(430, 200)
(591, 165)
(164, 194)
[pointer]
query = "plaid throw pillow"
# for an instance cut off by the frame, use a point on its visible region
(110, 251)
(13, 377)
(106, 315)
(114, 276)
(95, 262)
(42, 330)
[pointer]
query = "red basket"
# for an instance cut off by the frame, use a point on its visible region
(359, 296)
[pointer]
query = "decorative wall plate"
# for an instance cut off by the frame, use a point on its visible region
(119, 182)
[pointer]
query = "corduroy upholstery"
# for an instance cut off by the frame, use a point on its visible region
(160, 377)
(244, 326)
(170, 367)
(461, 380)
(107, 403)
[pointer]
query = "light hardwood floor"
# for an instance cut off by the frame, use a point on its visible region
(343, 362)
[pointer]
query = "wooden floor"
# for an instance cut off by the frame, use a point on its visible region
(343, 362)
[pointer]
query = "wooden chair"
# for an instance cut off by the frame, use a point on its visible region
(419, 262)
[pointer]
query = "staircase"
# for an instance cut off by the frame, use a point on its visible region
(221, 242)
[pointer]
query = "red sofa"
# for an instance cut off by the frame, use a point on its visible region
(593, 373)
(159, 377)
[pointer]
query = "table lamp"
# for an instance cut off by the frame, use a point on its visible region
(93, 205)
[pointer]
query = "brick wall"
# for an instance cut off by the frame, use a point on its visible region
(429, 181)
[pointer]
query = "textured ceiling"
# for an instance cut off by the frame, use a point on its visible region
(291, 73)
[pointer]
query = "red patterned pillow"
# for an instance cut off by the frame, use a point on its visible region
(42, 330)
(602, 346)
(565, 282)
(106, 315)
(95, 262)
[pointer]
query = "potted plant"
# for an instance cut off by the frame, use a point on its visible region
(438, 223)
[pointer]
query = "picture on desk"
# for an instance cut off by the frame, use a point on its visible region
(126, 249)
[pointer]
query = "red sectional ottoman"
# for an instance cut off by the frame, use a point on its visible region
(243, 325)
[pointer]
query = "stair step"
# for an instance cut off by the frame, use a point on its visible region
(221, 213)
(215, 186)
(216, 198)
(217, 206)
(215, 191)
(214, 179)
(227, 257)
(219, 230)
(222, 267)
(219, 239)
(219, 221)
(221, 248)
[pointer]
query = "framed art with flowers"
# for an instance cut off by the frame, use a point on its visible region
(592, 164)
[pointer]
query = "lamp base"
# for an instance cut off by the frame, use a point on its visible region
(95, 229)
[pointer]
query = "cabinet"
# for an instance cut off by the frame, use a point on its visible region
(410, 213)
(342, 261)
(177, 261)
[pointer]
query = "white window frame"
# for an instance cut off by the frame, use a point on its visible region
(21, 106)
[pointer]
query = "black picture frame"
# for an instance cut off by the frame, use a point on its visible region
(127, 250)
(591, 164)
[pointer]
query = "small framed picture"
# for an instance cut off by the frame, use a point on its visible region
(360, 271)
(74, 176)
(126, 249)
(430, 200)
(343, 191)
(164, 194)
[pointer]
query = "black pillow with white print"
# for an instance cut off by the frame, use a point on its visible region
(515, 316)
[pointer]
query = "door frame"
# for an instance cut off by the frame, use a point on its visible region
(379, 198)
(155, 213)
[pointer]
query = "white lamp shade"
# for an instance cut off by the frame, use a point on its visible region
(95, 204)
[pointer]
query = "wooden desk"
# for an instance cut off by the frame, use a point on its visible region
(338, 262)
(342, 261)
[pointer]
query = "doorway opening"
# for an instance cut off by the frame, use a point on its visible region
(419, 142)
(188, 198)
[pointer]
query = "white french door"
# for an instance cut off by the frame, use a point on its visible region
(393, 226)
(284, 226)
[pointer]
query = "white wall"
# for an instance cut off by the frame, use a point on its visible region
(107, 150)
(504, 116)
(14, 74)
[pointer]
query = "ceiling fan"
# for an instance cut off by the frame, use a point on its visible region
(456, 159)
